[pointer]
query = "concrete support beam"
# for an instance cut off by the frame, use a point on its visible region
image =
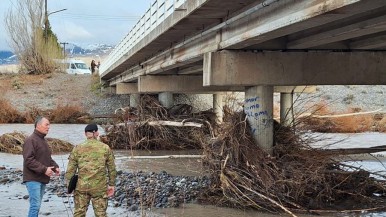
(286, 109)
(127, 88)
(134, 99)
(178, 84)
(218, 106)
(294, 89)
(370, 26)
(259, 110)
(110, 89)
(190, 70)
(166, 99)
(369, 43)
(235, 68)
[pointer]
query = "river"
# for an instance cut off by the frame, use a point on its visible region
(13, 204)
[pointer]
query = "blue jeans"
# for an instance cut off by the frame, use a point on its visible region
(36, 192)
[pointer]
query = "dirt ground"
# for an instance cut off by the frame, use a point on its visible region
(45, 91)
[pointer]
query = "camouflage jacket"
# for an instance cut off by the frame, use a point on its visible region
(94, 161)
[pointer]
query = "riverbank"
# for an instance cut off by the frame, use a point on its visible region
(134, 190)
(58, 206)
(44, 92)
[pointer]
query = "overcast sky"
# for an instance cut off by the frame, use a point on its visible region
(86, 21)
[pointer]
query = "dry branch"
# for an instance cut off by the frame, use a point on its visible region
(162, 157)
(163, 123)
(13, 143)
(337, 115)
(151, 126)
(296, 178)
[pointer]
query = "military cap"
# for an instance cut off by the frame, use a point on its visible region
(91, 128)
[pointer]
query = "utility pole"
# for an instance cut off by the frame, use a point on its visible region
(46, 14)
(64, 49)
(45, 21)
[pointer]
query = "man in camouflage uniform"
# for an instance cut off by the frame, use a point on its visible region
(94, 161)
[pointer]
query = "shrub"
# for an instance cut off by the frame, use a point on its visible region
(96, 84)
(8, 114)
(16, 83)
(382, 125)
(31, 114)
(322, 120)
(66, 114)
(353, 124)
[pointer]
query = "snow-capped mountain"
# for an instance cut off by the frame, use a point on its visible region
(72, 49)
(90, 49)
(7, 57)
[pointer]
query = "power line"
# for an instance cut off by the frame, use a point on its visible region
(103, 15)
(98, 17)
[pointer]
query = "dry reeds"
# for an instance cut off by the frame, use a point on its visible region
(13, 143)
(61, 114)
(321, 119)
(138, 133)
(8, 114)
(33, 112)
(295, 178)
(59, 146)
(382, 125)
(69, 114)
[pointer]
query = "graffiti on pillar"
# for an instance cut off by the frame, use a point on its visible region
(252, 99)
(252, 108)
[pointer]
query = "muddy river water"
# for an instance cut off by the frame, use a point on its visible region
(13, 204)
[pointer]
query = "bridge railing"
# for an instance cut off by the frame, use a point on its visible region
(155, 15)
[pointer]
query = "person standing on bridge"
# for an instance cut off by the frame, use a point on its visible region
(38, 166)
(95, 164)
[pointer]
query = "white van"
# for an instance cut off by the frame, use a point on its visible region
(74, 66)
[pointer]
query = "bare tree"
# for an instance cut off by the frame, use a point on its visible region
(24, 24)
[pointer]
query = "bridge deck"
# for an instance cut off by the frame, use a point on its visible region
(175, 42)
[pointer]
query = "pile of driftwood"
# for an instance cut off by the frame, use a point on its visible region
(296, 178)
(151, 126)
(13, 143)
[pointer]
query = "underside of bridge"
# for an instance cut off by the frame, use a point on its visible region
(209, 46)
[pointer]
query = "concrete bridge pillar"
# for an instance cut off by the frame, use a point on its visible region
(258, 107)
(218, 106)
(286, 109)
(166, 99)
(134, 99)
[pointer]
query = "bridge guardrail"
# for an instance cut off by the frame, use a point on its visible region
(155, 15)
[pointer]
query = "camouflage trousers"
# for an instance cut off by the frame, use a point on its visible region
(82, 201)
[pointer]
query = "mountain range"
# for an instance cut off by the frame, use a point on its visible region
(72, 50)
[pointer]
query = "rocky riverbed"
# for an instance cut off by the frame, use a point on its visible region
(134, 191)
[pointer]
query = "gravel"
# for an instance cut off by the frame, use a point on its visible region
(133, 190)
(363, 97)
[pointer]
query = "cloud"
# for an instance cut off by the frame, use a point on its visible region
(87, 21)
(70, 31)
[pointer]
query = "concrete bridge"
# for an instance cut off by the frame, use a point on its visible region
(255, 46)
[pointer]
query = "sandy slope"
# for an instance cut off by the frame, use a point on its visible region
(58, 89)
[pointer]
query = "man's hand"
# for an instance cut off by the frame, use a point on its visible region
(56, 170)
(49, 171)
(110, 191)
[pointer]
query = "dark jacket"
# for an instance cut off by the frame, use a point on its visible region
(37, 157)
